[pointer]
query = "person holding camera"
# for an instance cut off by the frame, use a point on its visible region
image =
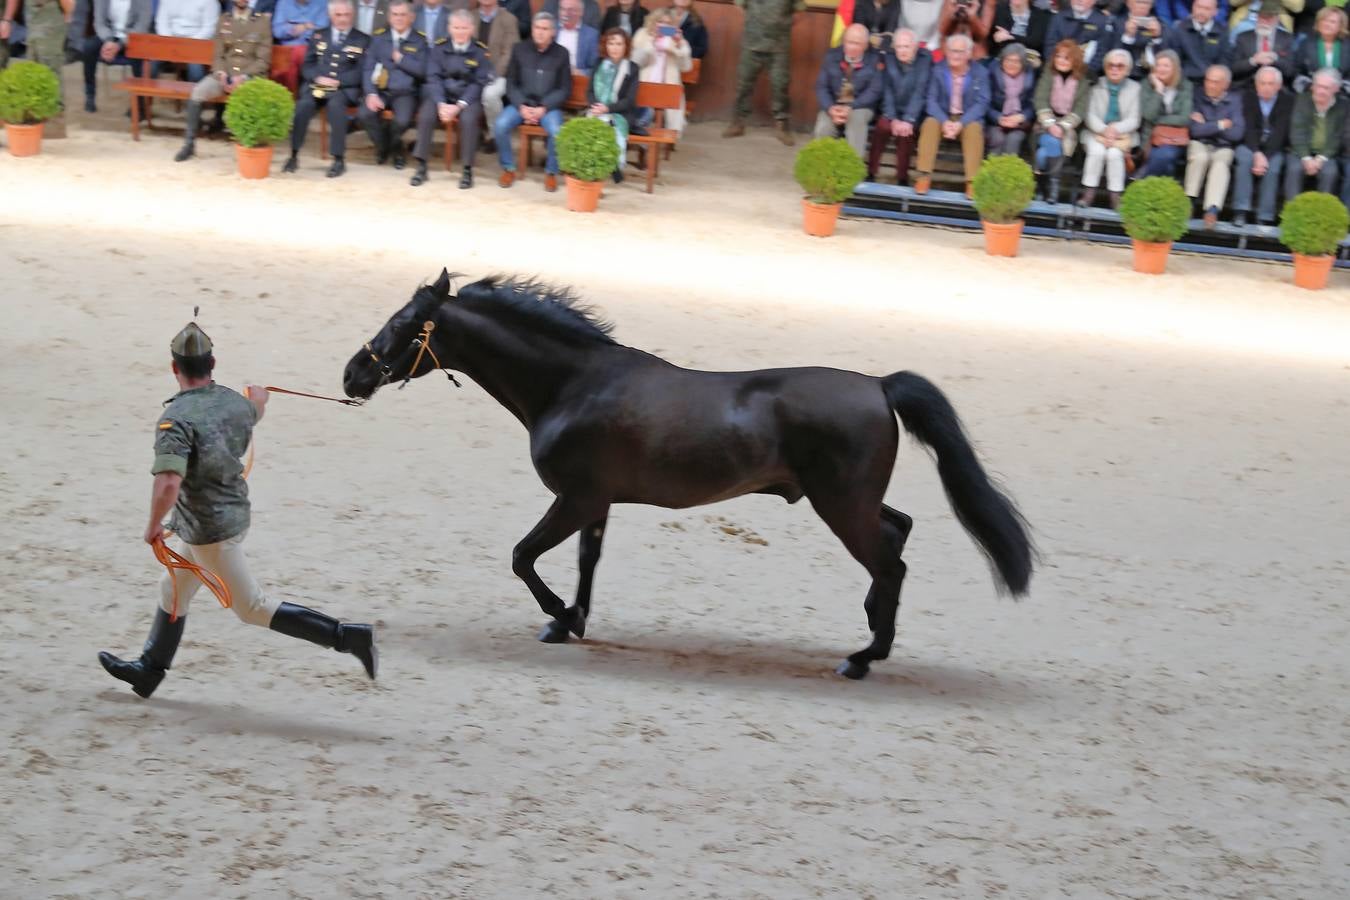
(1090, 28)
(1141, 33)
(1018, 22)
(973, 18)
(880, 18)
(660, 50)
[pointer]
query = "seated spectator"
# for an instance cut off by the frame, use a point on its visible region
(243, 50)
(626, 15)
(581, 41)
(111, 23)
(1316, 135)
(1112, 128)
(294, 23)
(1061, 104)
(590, 13)
(332, 71)
(432, 20)
(1243, 15)
(1019, 22)
(663, 54)
(521, 10)
(458, 72)
(612, 95)
(1090, 28)
(1216, 130)
(1265, 45)
(973, 18)
(371, 15)
(499, 31)
(188, 19)
(538, 83)
(1141, 33)
(1267, 110)
(1012, 87)
(921, 17)
(1165, 106)
(957, 103)
(1173, 11)
(691, 26)
(394, 70)
(1327, 48)
(1200, 41)
(903, 94)
(848, 89)
(880, 18)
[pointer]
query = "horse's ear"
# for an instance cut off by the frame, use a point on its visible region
(442, 285)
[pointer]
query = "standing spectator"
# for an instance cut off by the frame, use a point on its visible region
(902, 99)
(1316, 135)
(849, 88)
(1017, 21)
(84, 36)
(1112, 131)
(590, 12)
(691, 26)
(243, 50)
(880, 18)
(764, 45)
(1011, 102)
(1326, 48)
(332, 71)
(371, 15)
(45, 40)
(921, 17)
(1265, 45)
(1200, 41)
(1141, 33)
(188, 19)
(1061, 104)
(1216, 129)
(393, 72)
(499, 31)
(957, 102)
(1267, 110)
(974, 18)
(432, 19)
(663, 54)
(538, 83)
(1090, 28)
(581, 41)
(626, 15)
(612, 95)
(458, 71)
(1165, 106)
(521, 10)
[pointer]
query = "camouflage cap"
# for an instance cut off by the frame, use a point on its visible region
(191, 341)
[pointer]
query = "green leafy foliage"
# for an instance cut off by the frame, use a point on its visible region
(1313, 224)
(29, 93)
(1155, 209)
(828, 170)
(259, 112)
(587, 149)
(1003, 187)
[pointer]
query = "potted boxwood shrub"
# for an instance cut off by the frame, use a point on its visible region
(828, 170)
(1312, 226)
(258, 114)
(29, 95)
(1155, 211)
(588, 153)
(1003, 187)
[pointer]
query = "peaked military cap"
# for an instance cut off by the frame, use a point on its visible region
(191, 341)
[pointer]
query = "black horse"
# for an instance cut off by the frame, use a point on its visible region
(611, 424)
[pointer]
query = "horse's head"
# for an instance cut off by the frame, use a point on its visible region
(392, 355)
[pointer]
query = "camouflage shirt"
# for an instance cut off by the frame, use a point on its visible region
(768, 24)
(202, 436)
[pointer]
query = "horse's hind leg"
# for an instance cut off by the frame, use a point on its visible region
(588, 554)
(564, 518)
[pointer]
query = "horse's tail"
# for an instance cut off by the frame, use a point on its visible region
(983, 510)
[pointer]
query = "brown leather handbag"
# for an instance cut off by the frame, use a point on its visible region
(1170, 136)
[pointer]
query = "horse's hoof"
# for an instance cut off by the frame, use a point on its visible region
(579, 626)
(851, 670)
(554, 632)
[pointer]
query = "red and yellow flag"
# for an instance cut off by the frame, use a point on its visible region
(843, 17)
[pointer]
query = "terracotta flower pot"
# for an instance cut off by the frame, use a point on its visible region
(583, 196)
(819, 218)
(1002, 239)
(254, 162)
(1312, 272)
(23, 140)
(1151, 258)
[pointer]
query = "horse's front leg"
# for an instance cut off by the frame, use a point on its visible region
(588, 554)
(564, 518)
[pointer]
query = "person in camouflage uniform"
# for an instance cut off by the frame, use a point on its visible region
(199, 441)
(46, 21)
(765, 44)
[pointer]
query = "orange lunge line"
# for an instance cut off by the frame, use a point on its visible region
(171, 560)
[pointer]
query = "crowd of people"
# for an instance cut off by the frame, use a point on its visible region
(1244, 105)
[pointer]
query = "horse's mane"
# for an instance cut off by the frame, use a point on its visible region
(556, 311)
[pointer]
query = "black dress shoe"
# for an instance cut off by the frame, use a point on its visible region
(185, 152)
(420, 176)
(337, 168)
(381, 156)
(399, 159)
(291, 164)
(618, 176)
(90, 105)
(466, 179)
(490, 145)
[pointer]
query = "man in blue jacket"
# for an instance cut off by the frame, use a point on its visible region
(848, 89)
(958, 99)
(1216, 130)
(902, 101)
(1200, 41)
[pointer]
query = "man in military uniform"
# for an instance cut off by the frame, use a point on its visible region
(243, 51)
(395, 68)
(764, 45)
(199, 441)
(332, 71)
(46, 41)
(459, 71)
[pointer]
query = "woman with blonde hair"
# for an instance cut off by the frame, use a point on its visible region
(1060, 103)
(662, 53)
(1326, 47)
(1165, 106)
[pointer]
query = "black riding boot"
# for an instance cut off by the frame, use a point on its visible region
(145, 674)
(194, 121)
(309, 625)
(1052, 183)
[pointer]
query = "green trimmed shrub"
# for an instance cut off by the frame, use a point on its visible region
(1313, 224)
(29, 93)
(1003, 187)
(1155, 209)
(828, 170)
(259, 112)
(587, 149)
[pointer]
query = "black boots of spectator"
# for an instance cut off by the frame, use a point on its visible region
(420, 175)
(466, 178)
(194, 121)
(145, 674)
(337, 168)
(1051, 178)
(309, 625)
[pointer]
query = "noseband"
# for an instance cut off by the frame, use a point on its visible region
(422, 344)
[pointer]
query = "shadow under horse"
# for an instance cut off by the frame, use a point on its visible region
(611, 424)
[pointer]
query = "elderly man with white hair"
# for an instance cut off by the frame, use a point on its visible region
(848, 89)
(1267, 110)
(332, 71)
(1317, 134)
(957, 102)
(1111, 128)
(1216, 129)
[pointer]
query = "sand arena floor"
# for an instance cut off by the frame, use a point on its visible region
(1166, 716)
